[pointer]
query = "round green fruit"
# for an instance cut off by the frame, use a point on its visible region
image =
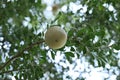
(55, 37)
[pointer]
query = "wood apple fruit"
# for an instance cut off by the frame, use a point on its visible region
(55, 37)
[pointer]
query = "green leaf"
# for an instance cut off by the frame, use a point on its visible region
(70, 54)
(72, 49)
(53, 55)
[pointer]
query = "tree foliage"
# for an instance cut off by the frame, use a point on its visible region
(93, 33)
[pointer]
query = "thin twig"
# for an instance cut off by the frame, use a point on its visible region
(20, 53)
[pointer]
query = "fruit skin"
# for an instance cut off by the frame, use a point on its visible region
(55, 37)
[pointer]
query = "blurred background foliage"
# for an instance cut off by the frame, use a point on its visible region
(93, 32)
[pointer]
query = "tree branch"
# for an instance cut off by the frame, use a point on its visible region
(20, 53)
(12, 71)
